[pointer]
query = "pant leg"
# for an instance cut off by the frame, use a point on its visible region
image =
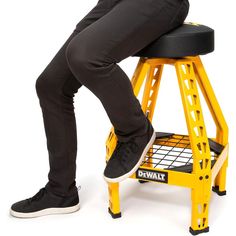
(93, 55)
(56, 87)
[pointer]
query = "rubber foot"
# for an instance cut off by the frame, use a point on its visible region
(114, 216)
(216, 190)
(196, 232)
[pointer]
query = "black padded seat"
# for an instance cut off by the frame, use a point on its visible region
(189, 39)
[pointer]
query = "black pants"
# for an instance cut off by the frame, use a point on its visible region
(112, 31)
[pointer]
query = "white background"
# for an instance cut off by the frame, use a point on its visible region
(31, 33)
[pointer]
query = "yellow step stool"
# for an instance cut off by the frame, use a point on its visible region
(194, 161)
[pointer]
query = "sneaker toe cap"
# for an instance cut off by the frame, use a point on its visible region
(19, 206)
(113, 169)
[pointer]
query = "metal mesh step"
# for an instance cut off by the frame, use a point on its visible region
(173, 152)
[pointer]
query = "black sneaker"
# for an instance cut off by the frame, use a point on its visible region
(128, 156)
(45, 203)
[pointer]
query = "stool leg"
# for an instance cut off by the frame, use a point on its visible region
(139, 75)
(149, 98)
(200, 209)
(221, 125)
(151, 89)
(114, 201)
(113, 188)
(220, 180)
(199, 145)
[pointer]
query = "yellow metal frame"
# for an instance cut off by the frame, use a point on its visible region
(190, 72)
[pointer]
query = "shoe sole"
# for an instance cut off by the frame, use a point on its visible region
(48, 211)
(123, 177)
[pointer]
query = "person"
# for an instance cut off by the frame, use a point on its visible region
(109, 33)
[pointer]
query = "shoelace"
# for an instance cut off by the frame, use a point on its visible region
(38, 195)
(124, 148)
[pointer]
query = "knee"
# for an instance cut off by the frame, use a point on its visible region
(87, 60)
(45, 85)
(77, 55)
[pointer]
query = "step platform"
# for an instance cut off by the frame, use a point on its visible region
(172, 152)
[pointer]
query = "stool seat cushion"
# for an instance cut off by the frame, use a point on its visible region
(189, 39)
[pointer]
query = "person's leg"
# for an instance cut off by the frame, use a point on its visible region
(93, 55)
(56, 87)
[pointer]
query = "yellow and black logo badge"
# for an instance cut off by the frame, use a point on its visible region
(158, 176)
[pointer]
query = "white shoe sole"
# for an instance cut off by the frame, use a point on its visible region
(48, 211)
(123, 177)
